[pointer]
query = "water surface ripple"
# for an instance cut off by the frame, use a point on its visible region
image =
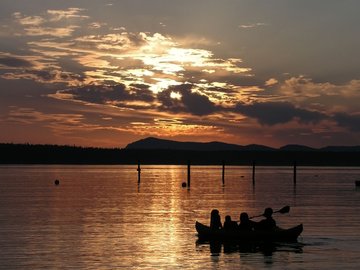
(99, 218)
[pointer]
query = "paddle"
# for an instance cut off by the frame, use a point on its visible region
(284, 210)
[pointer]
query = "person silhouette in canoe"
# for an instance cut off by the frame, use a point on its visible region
(268, 223)
(229, 224)
(245, 223)
(215, 220)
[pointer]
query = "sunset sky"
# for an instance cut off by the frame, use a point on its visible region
(105, 73)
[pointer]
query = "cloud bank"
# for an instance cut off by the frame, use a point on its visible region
(153, 83)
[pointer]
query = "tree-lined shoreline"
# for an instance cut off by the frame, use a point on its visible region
(62, 154)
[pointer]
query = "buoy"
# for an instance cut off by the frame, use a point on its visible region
(57, 182)
(183, 184)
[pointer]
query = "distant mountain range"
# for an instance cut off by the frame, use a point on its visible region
(158, 151)
(155, 143)
(152, 143)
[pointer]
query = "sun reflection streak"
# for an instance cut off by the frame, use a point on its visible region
(165, 225)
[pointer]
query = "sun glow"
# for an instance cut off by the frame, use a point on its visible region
(175, 95)
(194, 56)
(162, 84)
(174, 127)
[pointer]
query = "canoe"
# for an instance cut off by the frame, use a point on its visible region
(277, 235)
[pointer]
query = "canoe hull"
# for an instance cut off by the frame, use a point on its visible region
(279, 235)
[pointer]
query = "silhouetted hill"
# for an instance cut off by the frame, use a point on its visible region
(154, 143)
(341, 149)
(258, 147)
(157, 144)
(296, 147)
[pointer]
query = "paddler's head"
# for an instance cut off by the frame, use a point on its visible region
(268, 212)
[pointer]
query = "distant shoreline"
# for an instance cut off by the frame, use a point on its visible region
(73, 155)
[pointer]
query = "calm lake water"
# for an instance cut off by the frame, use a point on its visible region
(99, 218)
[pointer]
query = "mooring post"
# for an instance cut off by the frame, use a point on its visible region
(294, 172)
(253, 173)
(223, 172)
(188, 174)
(139, 171)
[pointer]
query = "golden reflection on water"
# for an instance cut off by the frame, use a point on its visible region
(99, 218)
(163, 213)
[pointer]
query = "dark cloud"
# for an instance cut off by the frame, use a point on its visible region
(53, 76)
(100, 94)
(189, 102)
(170, 104)
(90, 94)
(114, 42)
(351, 122)
(142, 92)
(272, 113)
(198, 104)
(10, 61)
(116, 93)
(44, 75)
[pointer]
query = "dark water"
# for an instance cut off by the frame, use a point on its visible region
(99, 218)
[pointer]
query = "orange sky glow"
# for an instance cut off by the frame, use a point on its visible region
(105, 74)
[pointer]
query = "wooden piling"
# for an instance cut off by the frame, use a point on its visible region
(253, 173)
(294, 172)
(188, 174)
(139, 171)
(223, 172)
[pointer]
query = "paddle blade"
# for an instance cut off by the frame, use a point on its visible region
(284, 210)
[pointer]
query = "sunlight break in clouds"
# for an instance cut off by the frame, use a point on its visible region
(252, 25)
(156, 81)
(50, 31)
(155, 60)
(28, 20)
(174, 127)
(271, 82)
(52, 23)
(343, 97)
(70, 13)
